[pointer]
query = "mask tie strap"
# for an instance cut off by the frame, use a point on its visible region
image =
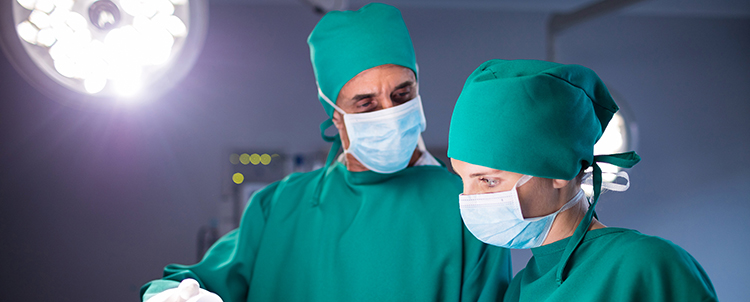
(325, 98)
(587, 180)
(623, 160)
(325, 125)
(335, 146)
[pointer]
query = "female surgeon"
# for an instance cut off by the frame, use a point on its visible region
(521, 136)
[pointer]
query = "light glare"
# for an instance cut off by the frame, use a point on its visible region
(27, 4)
(63, 4)
(138, 8)
(45, 5)
(57, 19)
(163, 7)
(27, 31)
(154, 43)
(40, 19)
(46, 37)
(94, 84)
(58, 51)
(76, 21)
(65, 67)
(173, 24)
(63, 33)
(128, 87)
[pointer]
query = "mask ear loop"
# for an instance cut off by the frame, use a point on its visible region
(623, 160)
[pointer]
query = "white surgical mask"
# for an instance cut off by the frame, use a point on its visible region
(384, 140)
(496, 218)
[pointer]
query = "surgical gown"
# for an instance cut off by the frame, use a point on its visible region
(613, 264)
(368, 237)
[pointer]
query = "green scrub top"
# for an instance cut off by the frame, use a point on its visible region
(613, 264)
(369, 237)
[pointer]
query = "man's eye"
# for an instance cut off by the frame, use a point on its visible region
(365, 105)
(401, 97)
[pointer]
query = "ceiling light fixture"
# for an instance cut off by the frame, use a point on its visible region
(103, 49)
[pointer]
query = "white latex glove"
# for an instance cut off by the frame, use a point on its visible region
(187, 291)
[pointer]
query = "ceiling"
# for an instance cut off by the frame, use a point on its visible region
(698, 8)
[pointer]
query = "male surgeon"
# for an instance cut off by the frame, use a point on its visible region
(378, 223)
(521, 136)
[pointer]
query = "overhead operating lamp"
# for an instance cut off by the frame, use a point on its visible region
(99, 50)
(621, 135)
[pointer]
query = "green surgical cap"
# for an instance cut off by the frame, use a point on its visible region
(345, 43)
(530, 117)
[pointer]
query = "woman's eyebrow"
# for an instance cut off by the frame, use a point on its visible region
(477, 174)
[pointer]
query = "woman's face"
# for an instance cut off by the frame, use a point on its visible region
(538, 196)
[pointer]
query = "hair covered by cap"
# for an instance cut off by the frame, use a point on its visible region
(530, 117)
(345, 43)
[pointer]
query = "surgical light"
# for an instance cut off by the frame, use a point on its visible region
(102, 49)
(613, 141)
(620, 136)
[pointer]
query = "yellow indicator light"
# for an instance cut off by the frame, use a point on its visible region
(245, 159)
(265, 159)
(238, 178)
(255, 158)
(234, 158)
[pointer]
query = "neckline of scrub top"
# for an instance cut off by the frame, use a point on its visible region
(548, 256)
(370, 177)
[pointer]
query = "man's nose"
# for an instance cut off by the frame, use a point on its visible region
(386, 103)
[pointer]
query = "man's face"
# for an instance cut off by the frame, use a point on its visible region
(374, 89)
(537, 196)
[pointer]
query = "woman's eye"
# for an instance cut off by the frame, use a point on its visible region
(490, 182)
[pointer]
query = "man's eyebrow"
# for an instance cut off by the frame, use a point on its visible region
(363, 96)
(359, 97)
(403, 85)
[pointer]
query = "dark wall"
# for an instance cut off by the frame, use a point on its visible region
(93, 203)
(686, 80)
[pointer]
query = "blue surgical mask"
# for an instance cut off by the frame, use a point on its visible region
(496, 218)
(384, 140)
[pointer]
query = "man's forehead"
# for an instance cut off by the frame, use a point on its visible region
(387, 71)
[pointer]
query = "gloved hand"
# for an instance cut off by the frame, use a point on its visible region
(187, 291)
